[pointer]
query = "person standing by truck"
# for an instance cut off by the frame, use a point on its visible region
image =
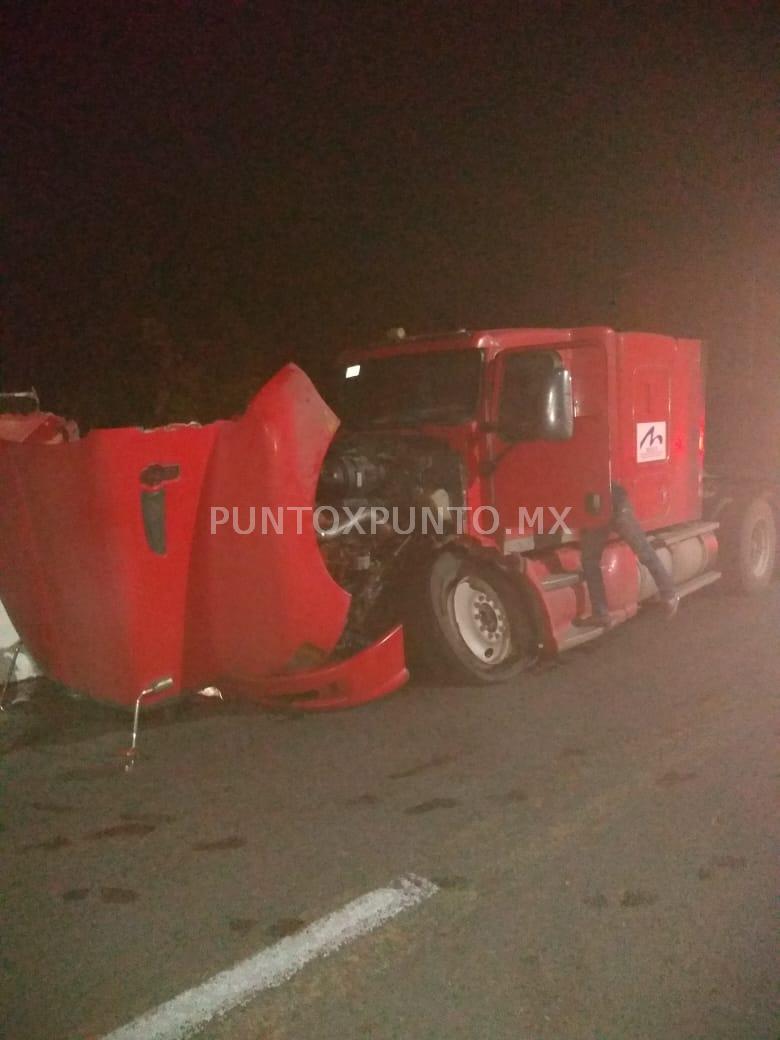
(593, 542)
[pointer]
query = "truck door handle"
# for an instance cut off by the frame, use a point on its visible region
(153, 503)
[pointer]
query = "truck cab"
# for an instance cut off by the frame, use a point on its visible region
(515, 436)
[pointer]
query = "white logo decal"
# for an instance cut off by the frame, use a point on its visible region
(651, 441)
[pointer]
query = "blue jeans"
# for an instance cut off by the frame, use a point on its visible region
(625, 523)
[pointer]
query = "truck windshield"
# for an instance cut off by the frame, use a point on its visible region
(409, 389)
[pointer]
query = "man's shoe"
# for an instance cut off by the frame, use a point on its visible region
(671, 604)
(594, 621)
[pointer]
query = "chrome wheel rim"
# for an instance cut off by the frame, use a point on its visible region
(481, 620)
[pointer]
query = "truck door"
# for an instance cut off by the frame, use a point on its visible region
(537, 479)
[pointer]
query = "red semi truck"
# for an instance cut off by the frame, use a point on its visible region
(446, 510)
(516, 435)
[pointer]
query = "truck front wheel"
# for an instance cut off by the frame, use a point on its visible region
(748, 539)
(477, 626)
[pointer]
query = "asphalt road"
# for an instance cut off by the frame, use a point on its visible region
(603, 838)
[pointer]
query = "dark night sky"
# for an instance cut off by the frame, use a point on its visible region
(198, 192)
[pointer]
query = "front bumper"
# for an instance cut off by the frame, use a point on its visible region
(372, 673)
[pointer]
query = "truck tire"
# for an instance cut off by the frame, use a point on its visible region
(476, 625)
(748, 541)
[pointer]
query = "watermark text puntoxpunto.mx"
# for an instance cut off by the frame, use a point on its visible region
(367, 520)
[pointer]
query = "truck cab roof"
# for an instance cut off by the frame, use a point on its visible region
(492, 341)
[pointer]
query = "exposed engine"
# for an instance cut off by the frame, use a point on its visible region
(379, 499)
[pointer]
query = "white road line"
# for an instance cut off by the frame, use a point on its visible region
(191, 1010)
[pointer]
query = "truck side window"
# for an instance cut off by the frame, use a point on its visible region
(526, 377)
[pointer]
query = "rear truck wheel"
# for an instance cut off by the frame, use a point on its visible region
(476, 624)
(748, 546)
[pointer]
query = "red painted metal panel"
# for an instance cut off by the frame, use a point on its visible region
(659, 390)
(97, 607)
(262, 603)
(568, 476)
(374, 672)
(111, 575)
(36, 428)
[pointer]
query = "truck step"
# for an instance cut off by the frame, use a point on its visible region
(562, 580)
(576, 636)
(708, 578)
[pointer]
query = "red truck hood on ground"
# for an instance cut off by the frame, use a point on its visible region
(114, 580)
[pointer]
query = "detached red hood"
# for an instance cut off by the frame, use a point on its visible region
(114, 580)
